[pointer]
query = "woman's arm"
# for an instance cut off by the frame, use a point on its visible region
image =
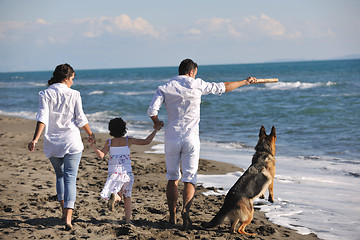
(38, 130)
(91, 136)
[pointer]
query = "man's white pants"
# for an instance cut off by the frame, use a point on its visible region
(182, 152)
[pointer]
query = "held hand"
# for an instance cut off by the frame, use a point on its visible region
(91, 139)
(93, 145)
(31, 145)
(250, 80)
(157, 127)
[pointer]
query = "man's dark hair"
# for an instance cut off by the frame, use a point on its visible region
(186, 66)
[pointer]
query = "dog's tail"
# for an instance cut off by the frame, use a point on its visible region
(218, 219)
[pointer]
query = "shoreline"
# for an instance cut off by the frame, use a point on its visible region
(29, 206)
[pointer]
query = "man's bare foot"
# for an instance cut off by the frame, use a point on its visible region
(187, 223)
(68, 226)
(173, 218)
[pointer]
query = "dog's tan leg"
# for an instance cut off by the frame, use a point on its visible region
(271, 168)
(233, 225)
(271, 191)
(241, 229)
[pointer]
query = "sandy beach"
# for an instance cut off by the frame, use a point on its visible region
(29, 207)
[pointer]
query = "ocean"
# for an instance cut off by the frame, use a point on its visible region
(315, 108)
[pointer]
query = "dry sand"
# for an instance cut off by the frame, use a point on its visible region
(29, 207)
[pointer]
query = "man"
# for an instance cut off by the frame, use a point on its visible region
(182, 98)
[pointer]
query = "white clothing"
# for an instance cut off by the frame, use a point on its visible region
(120, 175)
(184, 152)
(60, 109)
(182, 98)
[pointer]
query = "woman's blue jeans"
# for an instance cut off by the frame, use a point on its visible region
(66, 169)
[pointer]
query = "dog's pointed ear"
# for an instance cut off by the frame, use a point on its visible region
(273, 132)
(262, 132)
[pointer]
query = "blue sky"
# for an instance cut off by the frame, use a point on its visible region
(40, 34)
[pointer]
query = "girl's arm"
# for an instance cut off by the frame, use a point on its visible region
(101, 153)
(145, 141)
(39, 129)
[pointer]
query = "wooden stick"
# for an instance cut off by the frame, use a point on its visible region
(267, 80)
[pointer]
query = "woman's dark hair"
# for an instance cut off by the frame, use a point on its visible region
(117, 127)
(61, 72)
(186, 66)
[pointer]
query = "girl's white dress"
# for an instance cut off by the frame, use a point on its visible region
(120, 177)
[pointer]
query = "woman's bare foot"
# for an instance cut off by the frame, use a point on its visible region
(68, 215)
(62, 210)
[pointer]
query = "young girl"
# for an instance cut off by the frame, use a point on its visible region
(120, 178)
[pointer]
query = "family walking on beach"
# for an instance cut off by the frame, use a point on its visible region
(60, 115)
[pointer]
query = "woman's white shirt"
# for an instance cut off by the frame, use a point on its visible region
(60, 109)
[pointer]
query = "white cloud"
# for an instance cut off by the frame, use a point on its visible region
(317, 31)
(41, 31)
(270, 26)
(248, 27)
(330, 33)
(7, 28)
(122, 24)
(16, 28)
(42, 21)
(51, 39)
(194, 31)
(215, 24)
(234, 32)
(91, 34)
(295, 35)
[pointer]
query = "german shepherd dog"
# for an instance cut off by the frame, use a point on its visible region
(238, 204)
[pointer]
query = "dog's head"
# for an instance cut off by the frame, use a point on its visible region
(266, 142)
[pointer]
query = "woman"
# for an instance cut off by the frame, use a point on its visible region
(60, 114)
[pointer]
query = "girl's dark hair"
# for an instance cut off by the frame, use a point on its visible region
(117, 127)
(61, 72)
(186, 66)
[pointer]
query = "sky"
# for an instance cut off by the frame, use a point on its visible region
(37, 35)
